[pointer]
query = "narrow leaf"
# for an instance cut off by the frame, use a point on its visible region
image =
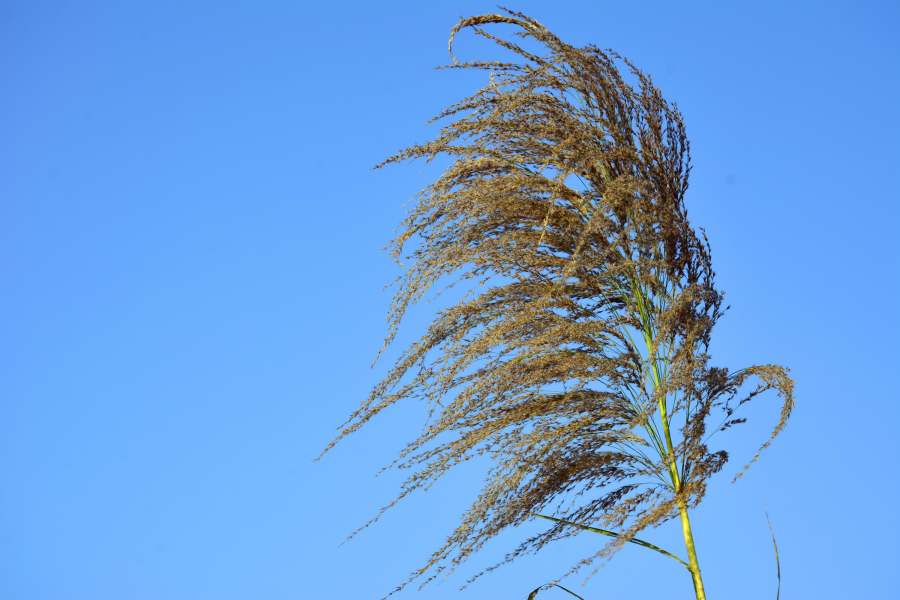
(570, 591)
(777, 562)
(613, 534)
(533, 594)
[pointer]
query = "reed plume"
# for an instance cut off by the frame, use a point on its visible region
(578, 362)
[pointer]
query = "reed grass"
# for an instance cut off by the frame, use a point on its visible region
(579, 360)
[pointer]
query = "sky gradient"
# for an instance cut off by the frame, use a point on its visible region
(190, 236)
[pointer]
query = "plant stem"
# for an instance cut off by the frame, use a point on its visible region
(641, 303)
(692, 553)
(682, 507)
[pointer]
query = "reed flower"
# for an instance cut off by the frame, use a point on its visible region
(579, 360)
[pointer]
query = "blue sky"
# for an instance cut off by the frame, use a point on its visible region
(190, 235)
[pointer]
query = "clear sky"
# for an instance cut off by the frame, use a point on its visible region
(191, 275)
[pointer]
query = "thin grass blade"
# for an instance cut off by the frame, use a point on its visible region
(613, 534)
(570, 591)
(533, 594)
(777, 562)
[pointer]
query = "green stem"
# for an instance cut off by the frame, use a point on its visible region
(673, 465)
(692, 552)
(682, 507)
(640, 299)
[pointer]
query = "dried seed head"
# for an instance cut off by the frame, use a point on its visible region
(590, 335)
